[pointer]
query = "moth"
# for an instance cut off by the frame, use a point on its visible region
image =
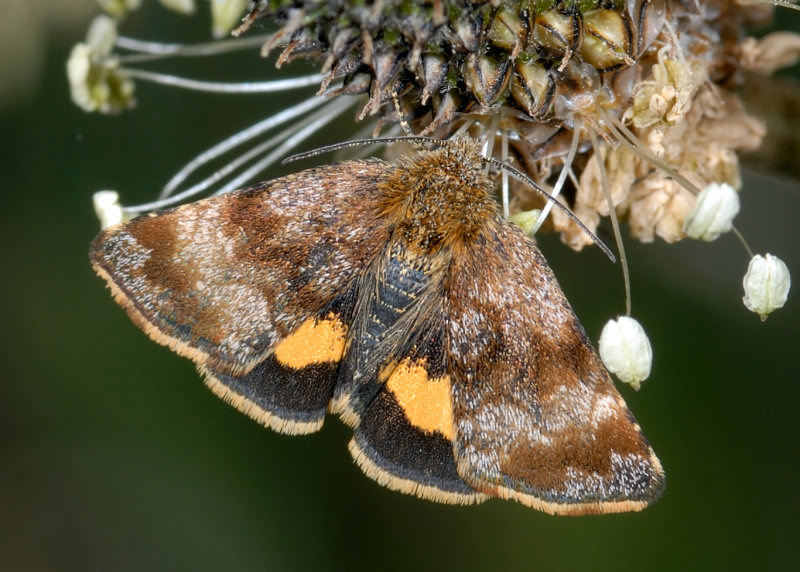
(396, 296)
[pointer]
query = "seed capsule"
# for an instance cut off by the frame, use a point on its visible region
(532, 87)
(558, 32)
(508, 31)
(466, 32)
(607, 40)
(435, 68)
(485, 77)
(649, 17)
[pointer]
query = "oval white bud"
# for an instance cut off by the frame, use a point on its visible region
(119, 8)
(713, 213)
(95, 80)
(225, 14)
(107, 208)
(184, 7)
(766, 284)
(526, 220)
(102, 35)
(625, 350)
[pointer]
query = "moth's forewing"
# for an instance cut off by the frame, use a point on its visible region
(231, 280)
(536, 416)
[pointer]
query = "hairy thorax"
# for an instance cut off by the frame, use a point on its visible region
(440, 199)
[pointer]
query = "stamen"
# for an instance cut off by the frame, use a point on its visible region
(520, 176)
(612, 214)
(503, 174)
(628, 139)
(289, 139)
(150, 51)
(567, 166)
(310, 125)
(238, 139)
(222, 87)
(623, 134)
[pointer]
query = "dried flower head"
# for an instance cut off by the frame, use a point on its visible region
(650, 77)
(619, 109)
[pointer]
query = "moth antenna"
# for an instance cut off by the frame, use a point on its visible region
(409, 137)
(522, 177)
(360, 143)
(784, 4)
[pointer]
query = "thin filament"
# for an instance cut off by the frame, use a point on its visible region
(223, 87)
(614, 222)
(237, 139)
(573, 148)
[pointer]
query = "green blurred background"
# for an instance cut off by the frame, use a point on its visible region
(115, 456)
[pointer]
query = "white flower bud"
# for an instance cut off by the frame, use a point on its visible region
(101, 36)
(107, 208)
(79, 66)
(225, 14)
(713, 213)
(95, 82)
(119, 8)
(526, 220)
(185, 7)
(766, 284)
(625, 350)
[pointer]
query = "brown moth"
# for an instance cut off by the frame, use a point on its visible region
(396, 296)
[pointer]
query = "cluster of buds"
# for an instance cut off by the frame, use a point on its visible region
(618, 108)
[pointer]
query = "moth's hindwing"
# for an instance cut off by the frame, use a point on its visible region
(394, 294)
(405, 438)
(289, 391)
(536, 416)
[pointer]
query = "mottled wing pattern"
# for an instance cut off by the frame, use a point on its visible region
(254, 286)
(536, 416)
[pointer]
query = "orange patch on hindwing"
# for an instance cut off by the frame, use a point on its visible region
(315, 341)
(425, 401)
